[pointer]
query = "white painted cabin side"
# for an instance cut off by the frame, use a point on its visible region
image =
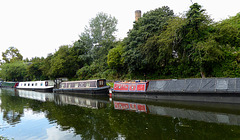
(35, 85)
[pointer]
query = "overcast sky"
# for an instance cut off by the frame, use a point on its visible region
(39, 27)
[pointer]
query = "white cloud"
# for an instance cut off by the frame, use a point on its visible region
(55, 134)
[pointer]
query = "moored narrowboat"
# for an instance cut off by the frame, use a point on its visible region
(221, 90)
(8, 84)
(85, 87)
(45, 86)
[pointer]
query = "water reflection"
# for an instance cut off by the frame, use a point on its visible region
(199, 115)
(80, 101)
(10, 112)
(211, 117)
(130, 106)
(35, 95)
(37, 115)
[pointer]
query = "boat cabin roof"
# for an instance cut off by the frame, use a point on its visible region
(82, 81)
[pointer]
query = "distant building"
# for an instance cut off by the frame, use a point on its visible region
(137, 15)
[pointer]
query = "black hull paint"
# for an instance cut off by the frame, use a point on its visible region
(220, 90)
(85, 91)
(195, 97)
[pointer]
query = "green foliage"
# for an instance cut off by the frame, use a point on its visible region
(102, 27)
(99, 35)
(227, 32)
(45, 68)
(11, 54)
(85, 72)
(150, 24)
(92, 71)
(229, 67)
(226, 35)
(98, 39)
(15, 71)
(159, 49)
(34, 71)
(64, 62)
(4, 138)
(115, 59)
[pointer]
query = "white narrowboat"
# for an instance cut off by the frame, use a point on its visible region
(46, 86)
(85, 87)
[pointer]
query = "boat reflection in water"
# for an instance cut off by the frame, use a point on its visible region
(206, 112)
(82, 101)
(40, 96)
(224, 115)
(35, 115)
(61, 99)
(130, 106)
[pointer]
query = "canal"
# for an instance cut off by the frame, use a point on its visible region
(47, 116)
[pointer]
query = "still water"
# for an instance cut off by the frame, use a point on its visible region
(29, 115)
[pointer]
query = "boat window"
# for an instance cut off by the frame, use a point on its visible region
(25, 84)
(76, 85)
(28, 84)
(35, 84)
(87, 84)
(32, 84)
(69, 85)
(41, 84)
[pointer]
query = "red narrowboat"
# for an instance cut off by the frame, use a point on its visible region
(130, 87)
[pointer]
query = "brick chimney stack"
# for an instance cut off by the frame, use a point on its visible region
(137, 15)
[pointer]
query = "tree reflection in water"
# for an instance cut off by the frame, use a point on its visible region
(93, 118)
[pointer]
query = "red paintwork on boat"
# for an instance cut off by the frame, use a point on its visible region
(130, 86)
(130, 106)
(16, 84)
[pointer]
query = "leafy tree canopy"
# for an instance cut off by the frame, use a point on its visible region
(151, 23)
(11, 54)
(15, 71)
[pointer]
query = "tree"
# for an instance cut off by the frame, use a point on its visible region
(62, 63)
(114, 58)
(34, 71)
(100, 31)
(160, 49)
(15, 71)
(194, 33)
(226, 35)
(150, 24)
(11, 54)
(97, 39)
(227, 32)
(102, 27)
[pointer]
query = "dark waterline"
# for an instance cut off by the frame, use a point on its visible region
(35, 115)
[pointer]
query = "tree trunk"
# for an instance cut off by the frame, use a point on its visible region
(203, 74)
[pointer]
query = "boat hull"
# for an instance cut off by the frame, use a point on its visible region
(195, 97)
(84, 91)
(38, 89)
